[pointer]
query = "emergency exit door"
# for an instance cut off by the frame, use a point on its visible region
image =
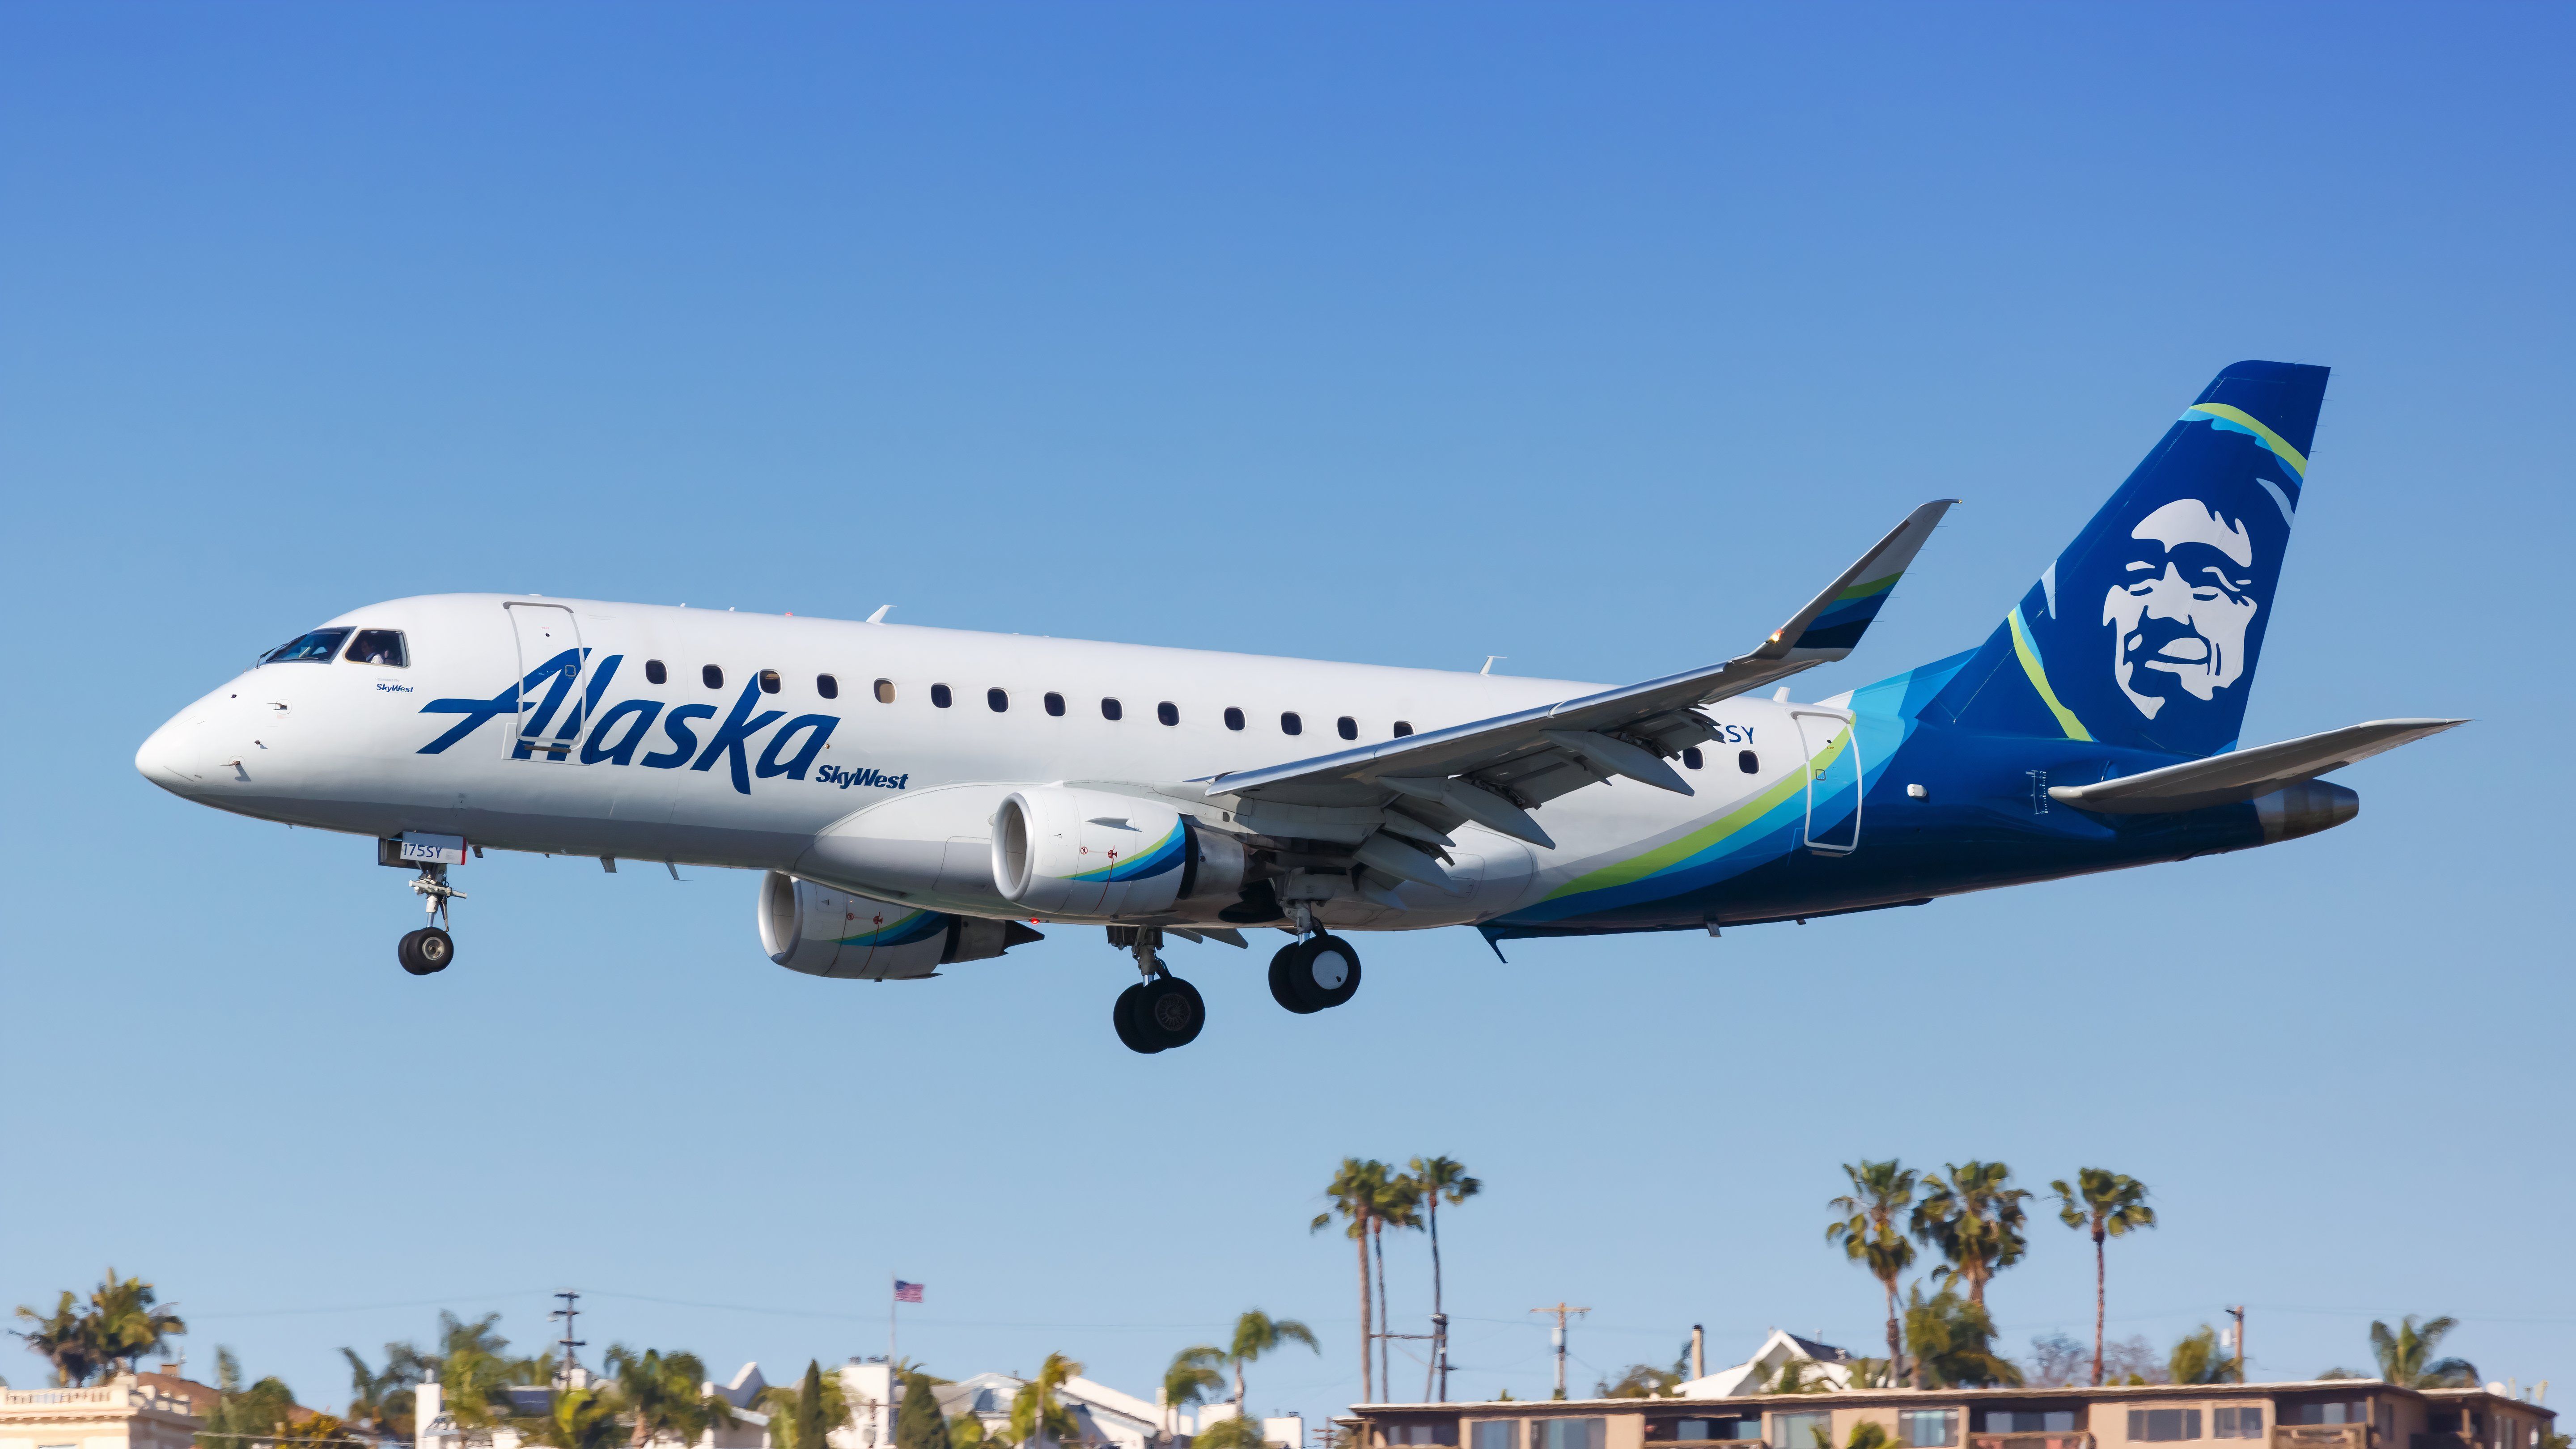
(551, 707)
(1831, 740)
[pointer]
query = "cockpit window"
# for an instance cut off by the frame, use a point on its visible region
(378, 646)
(314, 648)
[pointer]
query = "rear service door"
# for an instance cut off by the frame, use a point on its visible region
(550, 669)
(1831, 741)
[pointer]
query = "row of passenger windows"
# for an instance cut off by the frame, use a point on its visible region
(999, 702)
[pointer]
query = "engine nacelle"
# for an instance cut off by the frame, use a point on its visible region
(1059, 851)
(823, 932)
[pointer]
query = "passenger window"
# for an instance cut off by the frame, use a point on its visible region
(1112, 709)
(713, 676)
(314, 648)
(1347, 727)
(1233, 718)
(1403, 728)
(826, 686)
(1747, 762)
(939, 697)
(378, 646)
(1692, 759)
(1055, 704)
(1290, 724)
(1168, 712)
(769, 681)
(654, 673)
(996, 700)
(885, 691)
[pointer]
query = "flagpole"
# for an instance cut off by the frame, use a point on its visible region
(891, 1301)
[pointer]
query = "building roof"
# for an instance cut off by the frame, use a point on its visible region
(1841, 1398)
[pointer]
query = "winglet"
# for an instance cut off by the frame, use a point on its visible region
(1832, 623)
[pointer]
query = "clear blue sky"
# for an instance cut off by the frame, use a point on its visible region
(1591, 336)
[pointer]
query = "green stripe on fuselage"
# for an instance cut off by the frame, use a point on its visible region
(1665, 857)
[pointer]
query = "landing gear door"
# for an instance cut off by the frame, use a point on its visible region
(1832, 745)
(551, 708)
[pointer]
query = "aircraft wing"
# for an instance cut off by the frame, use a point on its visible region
(2244, 774)
(1493, 771)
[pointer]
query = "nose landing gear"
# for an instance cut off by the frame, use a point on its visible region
(1160, 1012)
(427, 951)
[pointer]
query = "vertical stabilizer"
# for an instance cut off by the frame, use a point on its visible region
(2145, 632)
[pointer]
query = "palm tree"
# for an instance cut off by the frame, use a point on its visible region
(577, 1419)
(1354, 1193)
(1976, 1222)
(1036, 1410)
(1953, 1341)
(1865, 1229)
(1399, 1205)
(1442, 1179)
(243, 1416)
(1257, 1333)
(1191, 1378)
(2403, 1355)
(382, 1404)
(2196, 1359)
(64, 1339)
(2108, 1205)
(666, 1397)
(128, 1323)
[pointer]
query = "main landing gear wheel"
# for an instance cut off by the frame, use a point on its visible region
(1158, 1015)
(1315, 974)
(1131, 1031)
(426, 951)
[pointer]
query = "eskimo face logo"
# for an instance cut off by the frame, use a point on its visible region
(2180, 609)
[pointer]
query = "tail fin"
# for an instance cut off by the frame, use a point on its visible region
(2146, 630)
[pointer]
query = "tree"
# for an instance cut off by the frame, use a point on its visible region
(473, 1375)
(242, 1416)
(1399, 1205)
(665, 1395)
(917, 1424)
(317, 1431)
(1953, 1343)
(2406, 1356)
(128, 1321)
(786, 1407)
(382, 1404)
(1641, 1381)
(1869, 1434)
(1975, 1219)
(1865, 1229)
(1354, 1193)
(1237, 1432)
(2107, 1205)
(63, 1339)
(1802, 1376)
(1191, 1378)
(2056, 1361)
(1257, 1333)
(1037, 1411)
(966, 1431)
(574, 1419)
(1443, 1179)
(2197, 1359)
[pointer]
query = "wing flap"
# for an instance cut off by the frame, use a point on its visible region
(2245, 774)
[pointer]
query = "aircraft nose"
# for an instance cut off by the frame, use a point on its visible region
(167, 760)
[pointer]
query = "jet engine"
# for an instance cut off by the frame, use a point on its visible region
(823, 932)
(1059, 851)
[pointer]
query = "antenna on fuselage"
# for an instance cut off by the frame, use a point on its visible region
(879, 616)
(1489, 662)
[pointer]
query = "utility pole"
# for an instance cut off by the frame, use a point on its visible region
(1560, 1310)
(2238, 1313)
(571, 1364)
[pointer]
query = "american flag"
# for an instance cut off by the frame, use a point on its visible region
(906, 1292)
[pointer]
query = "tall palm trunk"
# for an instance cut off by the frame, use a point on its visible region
(1385, 1324)
(2097, 1307)
(1367, 1337)
(1439, 1324)
(1895, 1354)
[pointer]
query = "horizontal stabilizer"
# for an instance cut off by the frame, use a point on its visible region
(2245, 774)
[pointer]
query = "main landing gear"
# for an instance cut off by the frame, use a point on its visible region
(427, 951)
(1314, 974)
(1162, 1011)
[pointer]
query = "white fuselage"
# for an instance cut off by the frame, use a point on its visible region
(886, 796)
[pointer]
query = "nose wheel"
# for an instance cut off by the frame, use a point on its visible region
(427, 951)
(1160, 1012)
(1314, 974)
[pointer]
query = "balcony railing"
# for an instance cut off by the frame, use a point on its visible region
(112, 1395)
(2075, 1439)
(2321, 1436)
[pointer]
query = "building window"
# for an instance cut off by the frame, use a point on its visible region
(1442, 1433)
(713, 676)
(1494, 1434)
(2229, 1422)
(1290, 724)
(1168, 712)
(885, 691)
(1567, 1433)
(2335, 1412)
(1055, 704)
(769, 681)
(2025, 1421)
(654, 673)
(940, 698)
(1233, 718)
(826, 686)
(1702, 1431)
(1347, 727)
(1748, 762)
(1112, 709)
(1802, 1431)
(2156, 1426)
(1928, 1428)
(996, 700)
(1692, 759)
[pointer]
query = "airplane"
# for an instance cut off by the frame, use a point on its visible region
(920, 797)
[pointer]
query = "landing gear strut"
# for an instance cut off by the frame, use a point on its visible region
(428, 950)
(1160, 1012)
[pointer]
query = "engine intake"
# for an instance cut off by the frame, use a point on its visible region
(824, 932)
(1059, 851)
